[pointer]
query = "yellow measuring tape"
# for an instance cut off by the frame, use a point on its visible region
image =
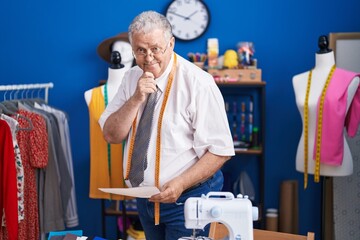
(306, 130)
(158, 139)
(319, 127)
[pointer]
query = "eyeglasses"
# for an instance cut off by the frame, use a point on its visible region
(154, 51)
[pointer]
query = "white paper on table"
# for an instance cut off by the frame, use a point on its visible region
(140, 192)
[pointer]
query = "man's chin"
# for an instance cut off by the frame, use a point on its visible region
(153, 69)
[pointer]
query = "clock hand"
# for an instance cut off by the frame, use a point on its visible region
(196, 23)
(185, 18)
(192, 14)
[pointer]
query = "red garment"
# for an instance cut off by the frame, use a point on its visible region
(33, 147)
(8, 187)
(34, 154)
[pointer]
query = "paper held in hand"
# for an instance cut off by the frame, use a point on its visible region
(139, 192)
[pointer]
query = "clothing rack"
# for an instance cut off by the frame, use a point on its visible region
(45, 86)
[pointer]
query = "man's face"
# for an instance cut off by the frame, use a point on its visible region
(152, 52)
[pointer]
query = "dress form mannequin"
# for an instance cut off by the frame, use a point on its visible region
(106, 159)
(121, 61)
(324, 60)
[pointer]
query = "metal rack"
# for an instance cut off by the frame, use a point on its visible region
(17, 87)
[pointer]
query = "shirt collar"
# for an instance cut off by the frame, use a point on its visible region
(162, 80)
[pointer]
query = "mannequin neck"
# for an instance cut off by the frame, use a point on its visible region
(323, 60)
(115, 75)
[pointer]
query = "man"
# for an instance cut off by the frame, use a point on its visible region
(190, 138)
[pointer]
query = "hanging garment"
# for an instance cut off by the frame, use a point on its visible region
(43, 188)
(70, 215)
(54, 182)
(106, 171)
(8, 188)
(33, 147)
(14, 127)
(51, 209)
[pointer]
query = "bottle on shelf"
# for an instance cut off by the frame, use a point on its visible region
(255, 138)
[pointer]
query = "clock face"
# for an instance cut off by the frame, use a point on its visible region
(189, 18)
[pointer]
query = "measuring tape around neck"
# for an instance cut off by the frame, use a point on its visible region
(158, 138)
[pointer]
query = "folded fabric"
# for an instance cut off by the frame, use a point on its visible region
(335, 117)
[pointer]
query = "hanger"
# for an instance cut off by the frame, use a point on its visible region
(6, 110)
(29, 127)
(25, 100)
(10, 104)
(34, 99)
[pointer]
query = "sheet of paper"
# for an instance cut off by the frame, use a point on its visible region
(140, 192)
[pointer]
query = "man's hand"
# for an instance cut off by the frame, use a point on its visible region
(145, 86)
(170, 192)
(206, 167)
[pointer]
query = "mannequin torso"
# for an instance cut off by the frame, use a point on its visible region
(113, 82)
(115, 75)
(106, 162)
(323, 65)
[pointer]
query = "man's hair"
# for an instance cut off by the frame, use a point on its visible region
(147, 22)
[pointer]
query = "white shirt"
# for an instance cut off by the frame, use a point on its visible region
(194, 120)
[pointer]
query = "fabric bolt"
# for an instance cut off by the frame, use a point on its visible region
(8, 188)
(187, 132)
(142, 138)
(335, 117)
(100, 177)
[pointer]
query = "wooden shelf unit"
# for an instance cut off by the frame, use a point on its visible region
(234, 88)
(116, 208)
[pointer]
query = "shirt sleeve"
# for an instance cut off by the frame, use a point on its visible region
(211, 125)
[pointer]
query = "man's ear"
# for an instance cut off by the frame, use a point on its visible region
(172, 43)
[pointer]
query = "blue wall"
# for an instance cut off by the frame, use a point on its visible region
(43, 41)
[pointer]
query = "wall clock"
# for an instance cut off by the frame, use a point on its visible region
(189, 18)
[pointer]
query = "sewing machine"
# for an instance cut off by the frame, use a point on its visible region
(237, 214)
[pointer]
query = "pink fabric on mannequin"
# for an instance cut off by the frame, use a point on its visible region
(335, 117)
(352, 120)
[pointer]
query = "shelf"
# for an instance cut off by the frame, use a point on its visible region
(115, 209)
(243, 91)
(114, 212)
